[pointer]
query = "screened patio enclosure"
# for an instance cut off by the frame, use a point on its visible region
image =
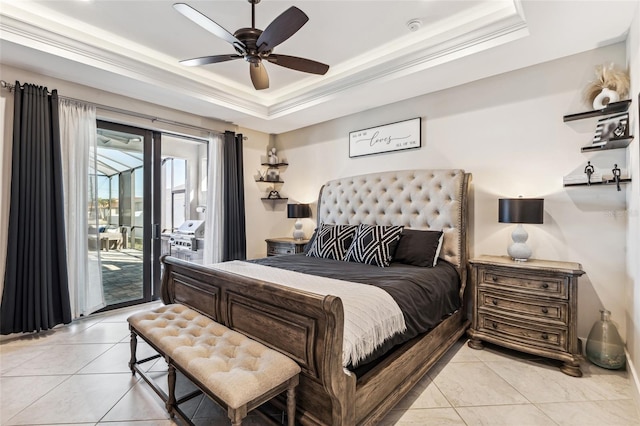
(116, 210)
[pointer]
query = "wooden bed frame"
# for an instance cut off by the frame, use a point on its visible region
(309, 328)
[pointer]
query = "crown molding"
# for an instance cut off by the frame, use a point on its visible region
(488, 25)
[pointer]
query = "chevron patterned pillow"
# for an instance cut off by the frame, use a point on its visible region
(332, 241)
(372, 244)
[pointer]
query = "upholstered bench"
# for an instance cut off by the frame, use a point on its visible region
(232, 369)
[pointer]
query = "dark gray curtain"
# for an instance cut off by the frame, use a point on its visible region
(234, 245)
(36, 289)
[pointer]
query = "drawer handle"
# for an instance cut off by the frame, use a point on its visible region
(494, 325)
(495, 279)
(545, 285)
(495, 302)
(545, 336)
(545, 311)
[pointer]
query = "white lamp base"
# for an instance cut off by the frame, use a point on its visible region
(519, 250)
(298, 233)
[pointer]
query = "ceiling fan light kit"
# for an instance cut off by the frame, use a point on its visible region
(255, 45)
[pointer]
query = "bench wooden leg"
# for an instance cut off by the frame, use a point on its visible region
(171, 400)
(237, 414)
(134, 345)
(291, 401)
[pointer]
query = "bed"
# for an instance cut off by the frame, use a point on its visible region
(310, 328)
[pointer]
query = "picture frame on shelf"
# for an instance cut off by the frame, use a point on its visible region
(612, 127)
(272, 175)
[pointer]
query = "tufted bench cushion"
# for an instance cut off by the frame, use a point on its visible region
(233, 367)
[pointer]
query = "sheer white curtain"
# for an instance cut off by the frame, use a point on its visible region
(78, 136)
(213, 213)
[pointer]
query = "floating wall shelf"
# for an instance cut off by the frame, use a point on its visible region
(604, 182)
(617, 143)
(612, 108)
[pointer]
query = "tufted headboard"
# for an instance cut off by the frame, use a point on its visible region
(417, 199)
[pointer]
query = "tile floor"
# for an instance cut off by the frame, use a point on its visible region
(78, 375)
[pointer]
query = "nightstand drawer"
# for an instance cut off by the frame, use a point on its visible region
(523, 283)
(528, 333)
(546, 310)
(276, 249)
(282, 246)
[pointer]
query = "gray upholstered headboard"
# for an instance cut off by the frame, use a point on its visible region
(417, 199)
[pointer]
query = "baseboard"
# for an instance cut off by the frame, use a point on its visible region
(634, 379)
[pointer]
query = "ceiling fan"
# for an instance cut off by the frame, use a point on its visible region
(255, 45)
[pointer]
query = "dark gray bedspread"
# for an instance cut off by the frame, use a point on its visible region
(425, 295)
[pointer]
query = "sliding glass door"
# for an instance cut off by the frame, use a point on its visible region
(127, 244)
(147, 186)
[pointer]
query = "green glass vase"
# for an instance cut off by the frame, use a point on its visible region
(604, 345)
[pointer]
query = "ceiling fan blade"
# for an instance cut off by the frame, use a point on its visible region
(209, 60)
(259, 76)
(283, 27)
(299, 64)
(206, 23)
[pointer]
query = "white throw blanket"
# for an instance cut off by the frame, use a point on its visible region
(370, 314)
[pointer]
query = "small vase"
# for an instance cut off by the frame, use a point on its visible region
(605, 97)
(604, 345)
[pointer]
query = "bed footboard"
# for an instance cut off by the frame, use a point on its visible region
(306, 327)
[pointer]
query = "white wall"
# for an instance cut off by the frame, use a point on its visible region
(632, 292)
(508, 132)
(262, 217)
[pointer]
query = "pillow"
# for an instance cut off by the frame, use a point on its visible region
(332, 241)
(419, 248)
(373, 244)
(307, 246)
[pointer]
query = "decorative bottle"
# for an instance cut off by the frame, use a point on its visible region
(604, 345)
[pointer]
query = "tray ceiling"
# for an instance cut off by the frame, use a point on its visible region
(133, 47)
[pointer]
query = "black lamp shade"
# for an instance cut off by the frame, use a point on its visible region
(296, 211)
(520, 210)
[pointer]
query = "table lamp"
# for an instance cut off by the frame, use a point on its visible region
(298, 211)
(520, 210)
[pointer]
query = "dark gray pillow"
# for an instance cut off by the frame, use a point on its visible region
(307, 246)
(418, 248)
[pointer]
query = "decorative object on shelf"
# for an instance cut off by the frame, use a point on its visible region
(273, 175)
(611, 127)
(604, 345)
(610, 85)
(261, 175)
(298, 211)
(273, 158)
(616, 176)
(389, 137)
(274, 195)
(520, 210)
(588, 169)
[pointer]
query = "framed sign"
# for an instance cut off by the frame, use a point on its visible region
(389, 137)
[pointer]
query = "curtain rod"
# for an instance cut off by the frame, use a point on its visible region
(11, 87)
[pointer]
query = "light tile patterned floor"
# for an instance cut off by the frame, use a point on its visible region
(78, 375)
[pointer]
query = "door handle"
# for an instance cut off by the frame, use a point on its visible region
(155, 231)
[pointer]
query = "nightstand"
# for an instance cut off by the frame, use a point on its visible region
(527, 306)
(277, 246)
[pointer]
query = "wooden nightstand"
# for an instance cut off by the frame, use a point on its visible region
(277, 246)
(527, 306)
